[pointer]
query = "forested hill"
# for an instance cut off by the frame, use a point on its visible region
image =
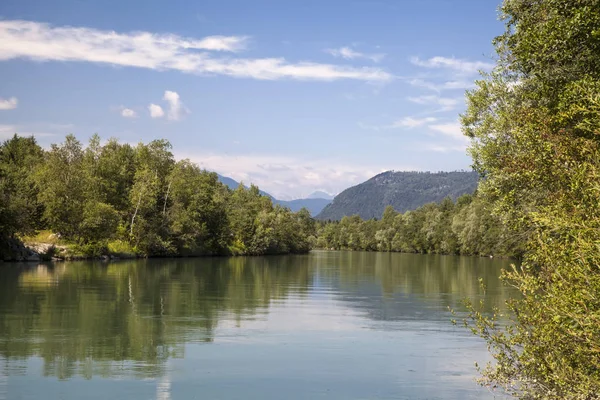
(402, 190)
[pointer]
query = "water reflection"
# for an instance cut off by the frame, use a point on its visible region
(132, 311)
(129, 318)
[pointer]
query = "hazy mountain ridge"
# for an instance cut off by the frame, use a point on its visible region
(313, 204)
(402, 190)
(320, 195)
(233, 184)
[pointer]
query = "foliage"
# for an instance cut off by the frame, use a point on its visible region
(124, 200)
(402, 190)
(535, 123)
(19, 209)
(466, 227)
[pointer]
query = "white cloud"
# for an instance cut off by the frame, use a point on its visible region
(410, 122)
(438, 87)
(156, 111)
(406, 122)
(287, 176)
(462, 66)
(8, 104)
(446, 148)
(459, 84)
(453, 132)
(453, 73)
(451, 129)
(128, 113)
(8, 131)
(349, 54)
(43, 42)
(176, 107)
(446, 103)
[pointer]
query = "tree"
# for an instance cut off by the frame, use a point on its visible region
(243, 209)
(20, 211)
(137, 200)
(63, 184)
(148, 198)
(535, 125)
(197, 213)
(116, 169)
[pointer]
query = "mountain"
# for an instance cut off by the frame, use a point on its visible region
(320, 195)
(402, 190)
(232, 184)
(313, 205)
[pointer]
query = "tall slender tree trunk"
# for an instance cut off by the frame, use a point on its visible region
(135, 213)
(166, 198)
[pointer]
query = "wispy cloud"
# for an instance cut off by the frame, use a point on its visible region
(449, 137)
(176, 107)
(8, 130)
(406, 122)
(450, 73)
(349, 54)
(451, 129)
(288, 176)
(128, 113)
(445, 85)
(411, 122)
(456, 64)
(44, 42)
(156, 111)
(445, 103)
(8, 104)
(448, 148)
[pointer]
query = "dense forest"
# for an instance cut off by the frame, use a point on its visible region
(403, 190)
(466, 227)
(120, 199)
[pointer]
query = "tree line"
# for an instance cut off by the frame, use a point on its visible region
(466, 227)
(119, 198)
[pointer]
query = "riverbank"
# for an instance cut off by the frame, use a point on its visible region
(48, 246)
(17, 250)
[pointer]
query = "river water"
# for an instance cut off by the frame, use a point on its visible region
(328, 325)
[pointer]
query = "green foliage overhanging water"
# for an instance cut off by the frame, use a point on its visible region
(136, 200)
(535, 128)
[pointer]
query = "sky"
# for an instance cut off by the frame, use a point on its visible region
(294, 96)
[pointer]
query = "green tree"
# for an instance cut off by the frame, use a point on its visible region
(63, 185)
(197, 211)
(243, 210)
(535, 123)
(20, 211)
(116, 170)
(148, 199)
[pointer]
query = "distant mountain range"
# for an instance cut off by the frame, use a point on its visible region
(320, 195)
(402, 190)
(314, 204)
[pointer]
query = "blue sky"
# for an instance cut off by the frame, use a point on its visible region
(295, 96)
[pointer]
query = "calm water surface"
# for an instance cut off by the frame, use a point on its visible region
(328, 325)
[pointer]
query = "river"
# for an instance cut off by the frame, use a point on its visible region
(327, 325)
